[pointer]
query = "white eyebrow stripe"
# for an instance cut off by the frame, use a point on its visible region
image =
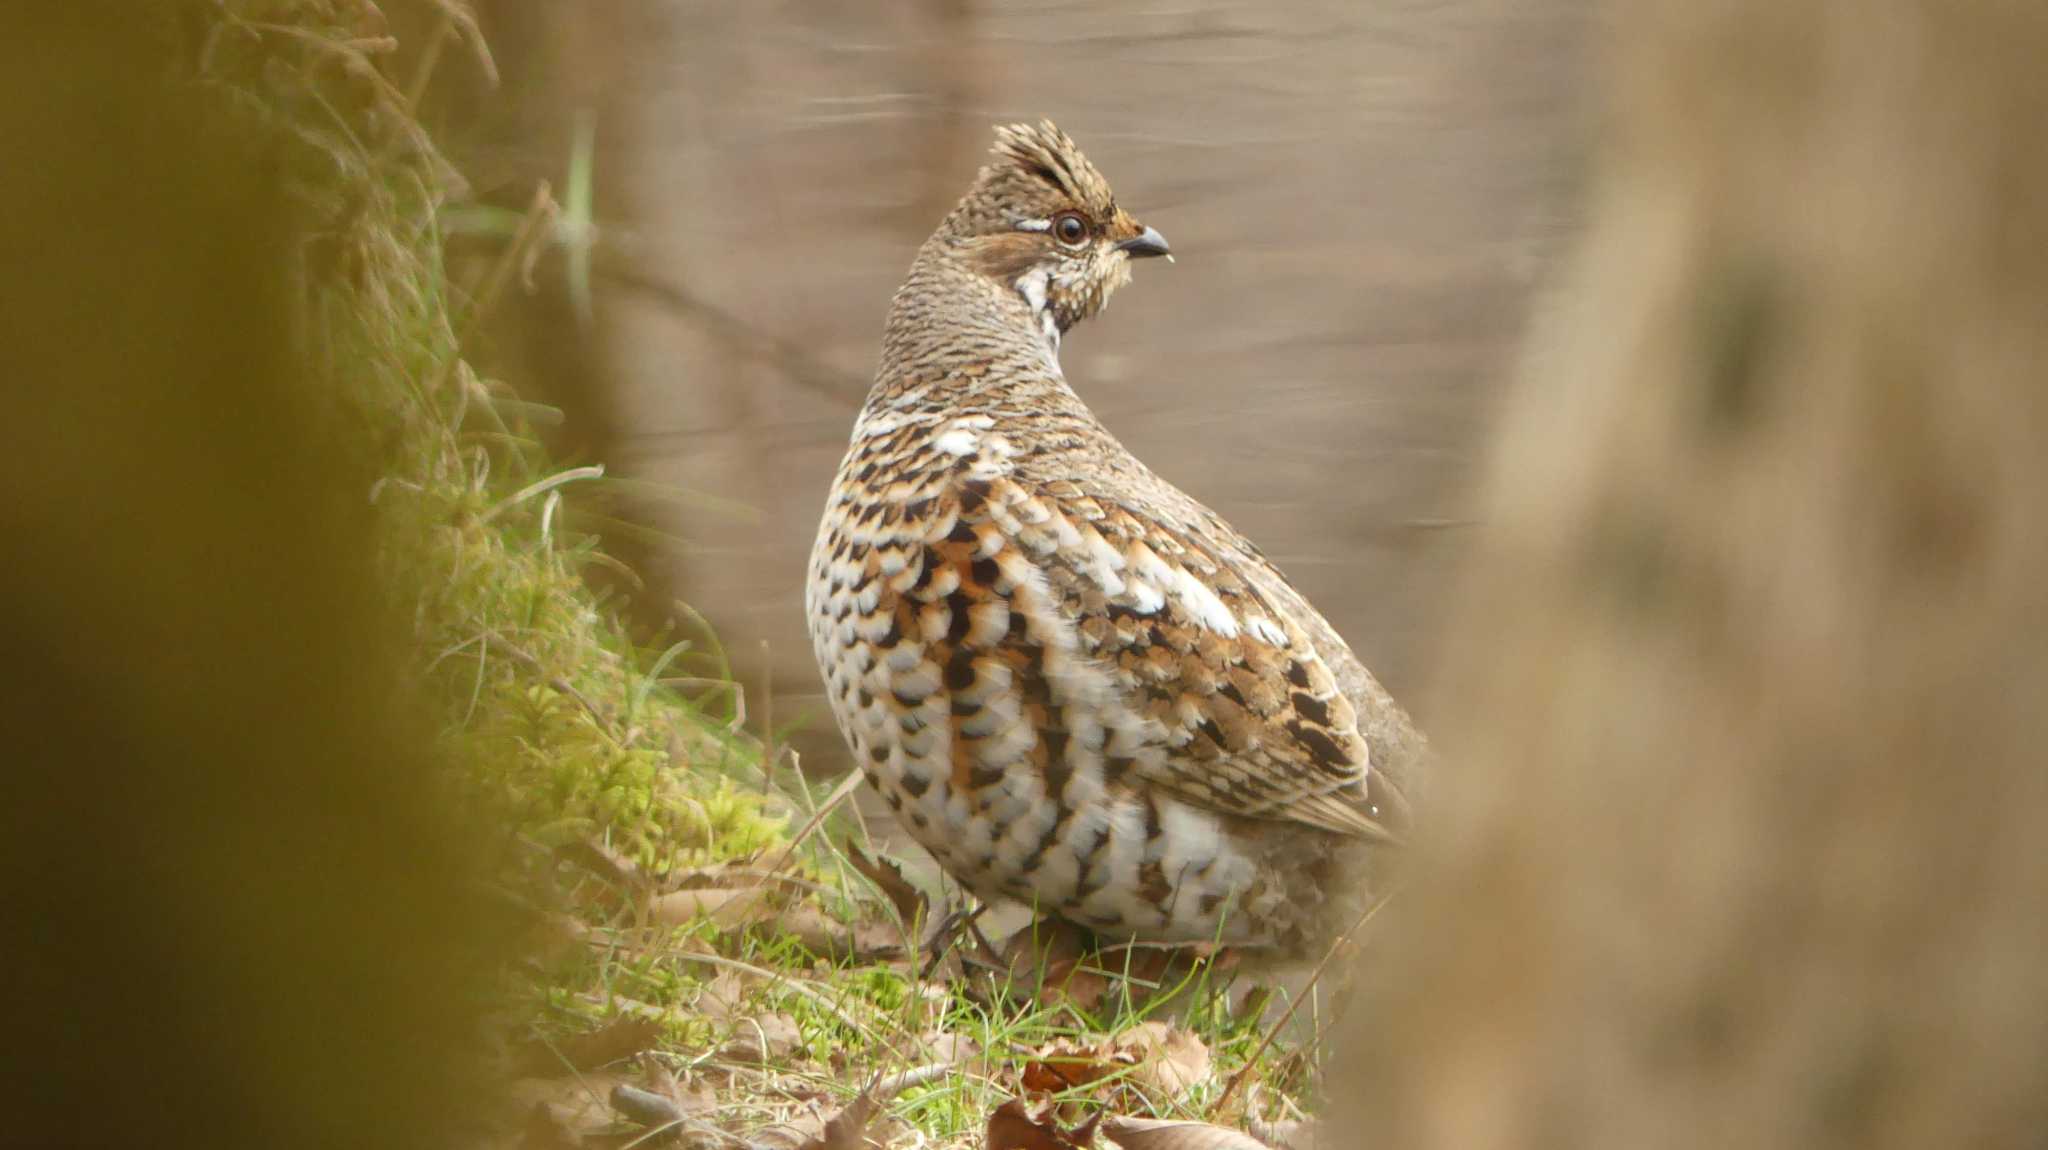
(1034, 225)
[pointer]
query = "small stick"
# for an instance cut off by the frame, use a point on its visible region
(887, 1088)
(1237, 1080)
(604, 725)
(838, 795)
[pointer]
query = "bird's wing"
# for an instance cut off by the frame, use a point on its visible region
(1157, 655)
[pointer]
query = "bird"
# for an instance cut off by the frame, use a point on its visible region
(1075, 685)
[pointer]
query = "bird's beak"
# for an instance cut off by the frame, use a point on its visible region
(1146, 243)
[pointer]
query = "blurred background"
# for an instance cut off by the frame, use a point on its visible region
(1363, 198)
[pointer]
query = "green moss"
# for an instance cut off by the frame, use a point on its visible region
(554, 716)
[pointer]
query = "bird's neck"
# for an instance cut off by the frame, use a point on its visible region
(960, 335)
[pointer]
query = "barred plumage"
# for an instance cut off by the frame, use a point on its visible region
(1078, 686)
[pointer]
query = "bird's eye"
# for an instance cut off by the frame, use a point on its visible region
(1070, 228)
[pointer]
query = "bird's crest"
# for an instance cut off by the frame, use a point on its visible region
(1042, 152)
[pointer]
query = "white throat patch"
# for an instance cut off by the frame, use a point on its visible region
(1032, 286)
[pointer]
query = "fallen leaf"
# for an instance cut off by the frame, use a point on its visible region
(724, 906)
(1049, 964)
(1062, 1065)
(845, 1130)
(824, 935)
(620, 1005)
(762, 1038)
(1285, 1134)
(1153, 1060)
(1040, 1078)
(549, 1126)
(563, 1111)
(1256, 1002)
(721, 999)
(619, 1039)
(606, 864)
(948, 1046)
(554, 936)
(661, 1080)
(1018, 1125)
(1166, 1134)
(887, 874)
(1165, 1058)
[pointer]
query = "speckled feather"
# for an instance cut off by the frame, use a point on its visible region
(1079, 687)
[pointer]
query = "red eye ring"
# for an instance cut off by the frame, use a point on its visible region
(1069, 228)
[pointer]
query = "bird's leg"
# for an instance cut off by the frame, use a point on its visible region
(958, 921)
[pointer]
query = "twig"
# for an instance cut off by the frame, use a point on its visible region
(778, 978)
(736, 332)
(645, 1106)
(664, 1120)
(887, 1088)
(484, 299)
(838, 795)
(1237, 1080)
(604, 724)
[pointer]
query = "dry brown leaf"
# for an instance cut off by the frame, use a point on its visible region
(1283, 1134)
(620, 1005)
(563, 1111)
(553, 937)
(1018, 1125)
(1146, 967)
(1164, 1058)
(1167, 1134)
(661, 1080)
(762, 1038)
(1062, 1065)
(1042, 1078)
(727, 907)
(722, 998)
(827, 936)
(1070, 980)
(549, 1127)
(1152, 1058)
(621, 1038)
(846, 1130)
(1049, 964)
(887, 874)
(946, 1046)
(606, 864)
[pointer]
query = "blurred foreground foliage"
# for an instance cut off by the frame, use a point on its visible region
(561, 721)
(288, 599)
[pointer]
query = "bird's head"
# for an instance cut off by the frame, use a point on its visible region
(1043, 222)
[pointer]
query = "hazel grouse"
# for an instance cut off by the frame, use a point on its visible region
(1077, 686)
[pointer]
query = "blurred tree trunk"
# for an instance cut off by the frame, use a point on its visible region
(241, 915)
(1741, 835)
